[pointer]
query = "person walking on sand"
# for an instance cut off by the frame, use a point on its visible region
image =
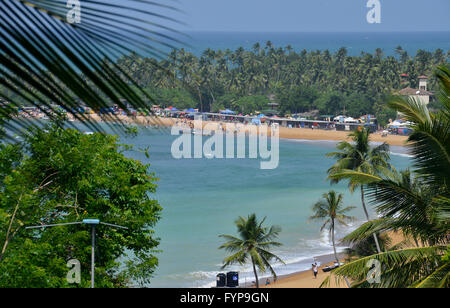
(315, 269)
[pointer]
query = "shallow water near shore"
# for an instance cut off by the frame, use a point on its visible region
(202, 198)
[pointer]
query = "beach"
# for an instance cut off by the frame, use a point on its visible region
(285, 132)
(305, 279)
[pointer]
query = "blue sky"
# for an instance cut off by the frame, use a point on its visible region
(312, 15)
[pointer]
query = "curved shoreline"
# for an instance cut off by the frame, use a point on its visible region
(285, 133)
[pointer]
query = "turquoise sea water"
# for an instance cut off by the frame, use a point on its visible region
(201, 199)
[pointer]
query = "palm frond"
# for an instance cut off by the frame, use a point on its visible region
(429, 142)
(399, 268)
(440, 278)
(367, 229)
(47, 61)
(355, 176)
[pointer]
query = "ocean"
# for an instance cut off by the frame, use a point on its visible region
(355, 42)
(202, 198)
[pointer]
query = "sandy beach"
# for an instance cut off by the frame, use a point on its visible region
(305, 279)
(285, 133)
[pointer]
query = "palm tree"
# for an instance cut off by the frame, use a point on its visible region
(419, 206)
(254, 243)
(360, 157)
(331, 209)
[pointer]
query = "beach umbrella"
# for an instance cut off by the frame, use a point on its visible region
(191, 110)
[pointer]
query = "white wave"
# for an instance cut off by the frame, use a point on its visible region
(297, 258)
(308, 141)
(402, 155)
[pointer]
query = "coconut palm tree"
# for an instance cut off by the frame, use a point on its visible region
(419, 206)
(331, 209)
(360, 157)
(253, 244)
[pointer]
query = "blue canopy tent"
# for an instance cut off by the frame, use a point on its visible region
(262, 116)
(191, 110)
(227, 112)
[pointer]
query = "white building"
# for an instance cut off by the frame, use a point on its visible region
(421, 94)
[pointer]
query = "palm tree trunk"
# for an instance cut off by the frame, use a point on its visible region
(256, 274)
(368, 218)
(332, 240)
(335, 254)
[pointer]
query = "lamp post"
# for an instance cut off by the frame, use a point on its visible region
(93, 223)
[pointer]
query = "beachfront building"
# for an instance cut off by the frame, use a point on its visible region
(421, 94)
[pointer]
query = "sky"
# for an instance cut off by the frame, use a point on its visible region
(312, 15)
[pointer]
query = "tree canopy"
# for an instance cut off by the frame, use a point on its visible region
(57, 175)
(332, 83)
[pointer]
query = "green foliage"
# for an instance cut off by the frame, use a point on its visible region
(331, 103)
(253, 244)
(62, 175)
(250, 104)
(367, 246)
(418, 204)
(297, 99)
(357, 104)
(331, 210)
(179, 98)
(359, 156)
(301, 81)
(399, 268)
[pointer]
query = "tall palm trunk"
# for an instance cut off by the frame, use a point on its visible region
(256, 274)
(368, 218)
(335, 254)
(333, 241)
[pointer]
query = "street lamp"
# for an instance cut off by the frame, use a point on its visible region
(93, 223)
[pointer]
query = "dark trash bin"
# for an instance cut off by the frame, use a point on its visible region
(232, 279)
(221, 280)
